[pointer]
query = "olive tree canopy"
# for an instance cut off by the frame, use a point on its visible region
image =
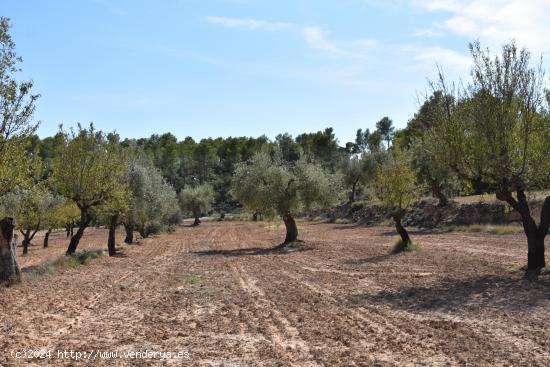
(272, 186)
(197, 200)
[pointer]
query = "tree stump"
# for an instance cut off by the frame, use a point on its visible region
(9, 266)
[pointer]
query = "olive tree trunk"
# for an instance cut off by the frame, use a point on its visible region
(111, 242)
(129, 228)
(405, 239)
(9, 266)
(75, 239)
(197, 215)
(535, 234)
(438, 193)
(47, 237)
(291, 228)
(26, 240)
(28, 236)
(353, 192)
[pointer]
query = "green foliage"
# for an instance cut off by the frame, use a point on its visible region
(386, 129)
(357, 205)
(17, 106)
(29, 206)
(90, 169)
(315, 187)
(63, 213)
(197, 200)
(269, 185)
(353, 175)
(153, 200)
(396, 185)
(322, 147)
(499, 131)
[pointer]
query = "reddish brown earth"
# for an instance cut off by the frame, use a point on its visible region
(339, 300)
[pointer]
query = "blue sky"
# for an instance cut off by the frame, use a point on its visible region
(251, 67)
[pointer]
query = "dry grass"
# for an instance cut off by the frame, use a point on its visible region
(398, 247)
(343, 221)
(501, 229)
(62, 263)
(472, 199)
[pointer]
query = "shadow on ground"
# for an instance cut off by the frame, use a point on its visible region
(369, 260)
(299, 247)
(506, 293)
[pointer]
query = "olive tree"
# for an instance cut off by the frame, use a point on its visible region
(112, 210)
(439, 177)
(88, 172)
(60, 213)
(353, 173)
(499, 134)
(29, 207)
(197, 200)
(17, 105)
(397, 188)
(270, 185)
(152, 200)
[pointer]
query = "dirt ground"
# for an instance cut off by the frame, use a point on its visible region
(217, 297)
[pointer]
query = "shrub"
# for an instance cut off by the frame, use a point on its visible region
(357, 205)
(399, 247)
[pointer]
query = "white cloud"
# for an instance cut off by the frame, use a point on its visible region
(317, 39)
(427, 32)
(365, 43)
(450, 60)
(249, 23)
(496, 22)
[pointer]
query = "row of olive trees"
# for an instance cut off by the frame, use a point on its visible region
(491, 134)
(93, 179)
(97, 180)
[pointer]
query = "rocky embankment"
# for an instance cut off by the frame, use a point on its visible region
(428, 214)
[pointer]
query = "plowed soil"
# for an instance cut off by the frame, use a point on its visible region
(338, 299)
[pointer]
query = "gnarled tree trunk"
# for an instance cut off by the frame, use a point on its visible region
(111, 242)
(9, 266)
(535, 234)
(28, 235)
(438, 193)
(47, 237)
(291, 228)
(26, 240)
(75, 239)
(405, 239)
(197, 215)
(129, 228)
